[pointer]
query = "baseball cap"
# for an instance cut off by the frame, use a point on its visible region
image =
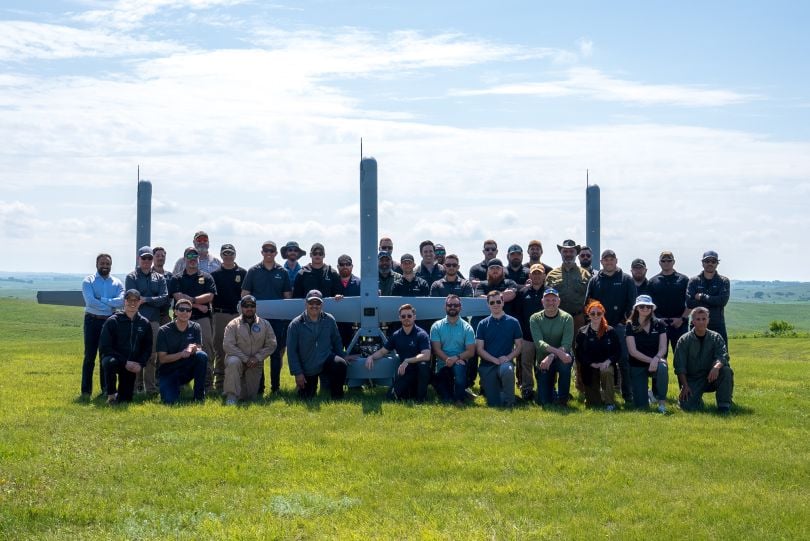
(709, 254)
(608, 253)
(227, 248)
(537, 267)
(551, 291)
(314, 295)
(144, 250)
(132, 293)
(406, 257)
(638, 262)
(515, 248)
(494, 262)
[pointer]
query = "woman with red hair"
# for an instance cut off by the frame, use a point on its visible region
(597, 350)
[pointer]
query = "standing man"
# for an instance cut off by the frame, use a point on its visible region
(348, 286)
(316, 275)
(429, 269)
(529, 301)
(479, 270)
(668, 292)
(159, 253)
(229, 279)
(198, 287)
(409, 284)
(269, 281)
(453, 343)
(387, 245)
(586, 258)
(206, 263)
(291, 253)
(314, 350)
(387, 275)
(517, 271)
(571, 281)
(553, 335)
(638, 270)
(451, 283)
(180, 357)
(412, 345)
(617, 293)
(247, 340)
(710, 290)
(126, 345)
(154, 296)
(535, 251)
(701, 364)
(103, 294)
(441, 253)
(498, 341)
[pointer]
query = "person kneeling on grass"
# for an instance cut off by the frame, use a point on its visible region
(247, 342)
(180, 355)
(647, 347)
(597, 350)
(314, 349)
(701, 364)
(126, 345)
(412, 345)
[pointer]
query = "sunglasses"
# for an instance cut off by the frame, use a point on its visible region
(667, 260)
(644, 307)
(441, 253)
(268, 250)
(386, 248)
(248, 306)
(148, 257)
(182, 309)
(405, 316)
(451, 265)
(490, 249)
(344, 264)
(316, 254)
(595, 314)
(711, 261)
(453, 305)
(192, 256)
(495, 302)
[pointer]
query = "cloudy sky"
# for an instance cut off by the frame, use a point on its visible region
(693, 117)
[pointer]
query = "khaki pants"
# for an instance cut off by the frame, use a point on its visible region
(600, 391)
(221, 320)
(207, 331)
(146, 379)
(241, 382)
(526, 366)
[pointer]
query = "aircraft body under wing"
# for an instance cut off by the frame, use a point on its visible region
(63, 298)
(349, 309)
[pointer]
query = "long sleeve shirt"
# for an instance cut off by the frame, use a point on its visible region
(695, 357)
(102, 296)
(126, 339)
(154, 292)
(309, 343)
(557, 331)
(714, 296)
(244, 339)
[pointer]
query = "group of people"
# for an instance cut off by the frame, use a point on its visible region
(606, 329)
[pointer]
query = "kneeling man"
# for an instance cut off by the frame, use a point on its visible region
(701, 364)
(453, 342)
(498, 340)
(314, 349)
(247, 342)
(126, 345)
(180, 355)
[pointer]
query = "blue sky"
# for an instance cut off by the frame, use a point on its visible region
(691, 116)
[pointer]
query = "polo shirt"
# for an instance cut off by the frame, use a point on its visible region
(267, 285)
(408, 345)
(171, 340)
(443, 288)
(499, 334)
(195, 285)
(414, 288)
(668, 292)
(324, 280)
(646, 342)
(520, 276)
(229, 284)
(453, 337)
(528, 301)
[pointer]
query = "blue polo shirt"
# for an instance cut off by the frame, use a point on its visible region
(453, 337)
(408, 345)
(499, 335)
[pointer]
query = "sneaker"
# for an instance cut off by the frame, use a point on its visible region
(112, 399)
(470, 393)
(650, 397)
(723, 410)
(662, 408)
(610, 407)
(231, 401)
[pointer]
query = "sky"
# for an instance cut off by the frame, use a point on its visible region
(246, 116)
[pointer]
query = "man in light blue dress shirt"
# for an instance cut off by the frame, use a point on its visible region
(103, 294)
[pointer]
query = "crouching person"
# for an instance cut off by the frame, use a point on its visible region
(126, 345)
(180, 355)
(701, 364)
(247, 342)
(314, 349)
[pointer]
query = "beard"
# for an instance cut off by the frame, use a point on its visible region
(452, 312)
(104, 271)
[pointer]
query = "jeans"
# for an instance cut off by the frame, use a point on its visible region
(176, 374)
(451, 382)
(92, 336)
(624, 363)
(276, 361)
(547, 378)
(639, 375)
(116, 369)
(332, 371)
(498, 381)
(413, 384)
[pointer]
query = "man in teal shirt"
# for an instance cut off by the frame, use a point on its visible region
(453, 342)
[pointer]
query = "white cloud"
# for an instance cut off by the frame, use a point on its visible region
(24, 40)
(593, 84)
(129, 14)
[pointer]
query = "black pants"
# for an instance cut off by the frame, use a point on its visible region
(333, 371)
(413, 384)
(116, 369)
(92, 335)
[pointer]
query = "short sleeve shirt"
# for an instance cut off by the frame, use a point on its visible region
(499, 335)
(408, 345)
(171, 340)
(453, 337)
(646, 342)
(267, 285)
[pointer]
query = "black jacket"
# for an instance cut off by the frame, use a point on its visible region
(126, 339)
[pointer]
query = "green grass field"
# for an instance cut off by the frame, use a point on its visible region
(369, 469)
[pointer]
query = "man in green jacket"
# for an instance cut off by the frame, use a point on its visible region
(701, 364)
(553, 334)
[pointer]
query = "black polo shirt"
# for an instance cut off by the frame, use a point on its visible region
(443, 288)
(326, 280)
(479, 271)
(669, 294)
(414, 288)
(520, 276)
(267, 285)
(528, 301)
(437, 273)
(229, 284)
(195, 285)
(646, 342)
(172, 340)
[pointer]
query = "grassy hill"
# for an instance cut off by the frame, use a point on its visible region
(369, 469)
